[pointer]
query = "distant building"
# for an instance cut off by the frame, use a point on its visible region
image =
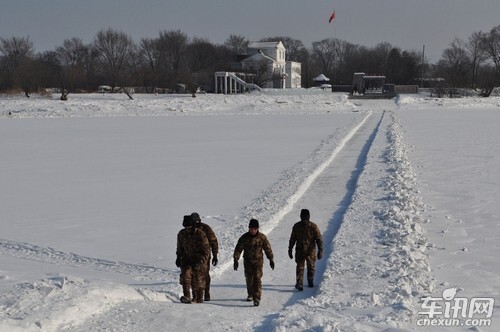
(267, 61)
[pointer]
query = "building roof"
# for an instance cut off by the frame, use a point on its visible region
(257, 57)
(263, 45)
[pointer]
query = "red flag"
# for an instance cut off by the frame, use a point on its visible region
(332, 17)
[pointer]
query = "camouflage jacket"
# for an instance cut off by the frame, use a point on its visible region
(307, 236)
(192, 247)
(252, 247)
(212, 239)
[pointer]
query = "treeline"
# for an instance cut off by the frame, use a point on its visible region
(172, 59)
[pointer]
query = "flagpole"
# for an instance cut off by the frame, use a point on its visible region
(334, 29)
(336, 60)
(423, 61)
(331, 20)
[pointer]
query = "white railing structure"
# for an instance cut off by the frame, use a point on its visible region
(228, 82)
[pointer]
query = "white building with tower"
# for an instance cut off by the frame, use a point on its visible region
(266, 61)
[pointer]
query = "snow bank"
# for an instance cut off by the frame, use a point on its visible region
(113, 105)
(59, 303)
(465, 104)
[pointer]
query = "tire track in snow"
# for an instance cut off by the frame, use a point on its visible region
(337, 218)
(256, 210)
(291, 201)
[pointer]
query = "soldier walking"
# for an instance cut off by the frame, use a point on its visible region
(306, 236)
(253, 243)
(193, 251)
(214, 246)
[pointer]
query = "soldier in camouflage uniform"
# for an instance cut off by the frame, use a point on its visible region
(214, 246)
(252, 244)
(307, 236)
(192, 256)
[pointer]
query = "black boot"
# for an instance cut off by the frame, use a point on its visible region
(185, 299)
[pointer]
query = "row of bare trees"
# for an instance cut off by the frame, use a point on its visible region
(474, 63)
(172, 59)
(113, 59)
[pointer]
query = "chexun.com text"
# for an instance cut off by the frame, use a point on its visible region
(453, 322)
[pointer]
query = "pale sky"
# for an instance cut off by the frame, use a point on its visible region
(408, 24)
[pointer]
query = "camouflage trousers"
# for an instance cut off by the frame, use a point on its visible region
(253, 278)
(194, 279)
(207, 277)
(302, 261)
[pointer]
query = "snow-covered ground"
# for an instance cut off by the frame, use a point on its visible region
(93, 191)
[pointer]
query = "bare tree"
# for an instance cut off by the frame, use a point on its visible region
(346, 53)
(380, 54)
(488, 69)
(149, 56)
(324, 54)
(73, 56)
(202, 56)
(16, 50)
(492, 47)
(486, 80)
(237, 44)
(224, 58)
(477, 54)
(456, 63)
(173, 60)
(17, 54)
(308, 69)
(412, 63)
(115, 53)
(378, 60)
(50, 69)
(149, 50)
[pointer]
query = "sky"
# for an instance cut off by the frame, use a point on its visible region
(408, 24)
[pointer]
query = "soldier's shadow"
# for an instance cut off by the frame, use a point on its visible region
(233, 301)
(241, 301)
(279, 288)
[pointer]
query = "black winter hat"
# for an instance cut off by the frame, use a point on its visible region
(188, 221)
(304, 214)
(254, 223)
(196, 216)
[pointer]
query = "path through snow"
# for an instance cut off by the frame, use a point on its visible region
(328, 197)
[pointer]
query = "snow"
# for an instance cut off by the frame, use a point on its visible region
(321, 77)
(93, 191)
